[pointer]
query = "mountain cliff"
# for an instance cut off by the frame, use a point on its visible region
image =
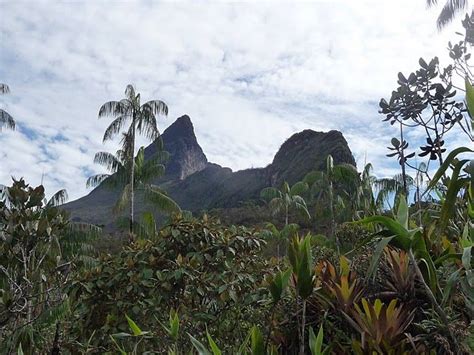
(197, 184)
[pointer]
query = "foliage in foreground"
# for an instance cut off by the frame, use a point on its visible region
(209, 273)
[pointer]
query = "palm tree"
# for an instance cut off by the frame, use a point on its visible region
(388, 187)
(323, 185)
(287, 198)
(5, 119)
(366, 198)
(449, 10)
(142, 119)
(144, 172)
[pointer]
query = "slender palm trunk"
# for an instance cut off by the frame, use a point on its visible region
(303, 326)
(402, 159)
(331, 210)
(132, 178)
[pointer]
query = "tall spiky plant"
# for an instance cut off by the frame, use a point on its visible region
(141, 120)
(5, 119)
(145, 171)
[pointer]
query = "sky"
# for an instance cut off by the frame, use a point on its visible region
(249, 74)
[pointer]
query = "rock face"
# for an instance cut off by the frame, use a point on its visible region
(186, 155)
(306, 151)
(197, 184)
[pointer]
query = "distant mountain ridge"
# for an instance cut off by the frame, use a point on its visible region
(197, 184)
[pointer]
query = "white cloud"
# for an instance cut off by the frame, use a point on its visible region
(248, 74)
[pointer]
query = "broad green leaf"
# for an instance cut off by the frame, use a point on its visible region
(377, 254)
(455, 185)
(402, 212)
(422, 254)
(447, 162)
(402, 235)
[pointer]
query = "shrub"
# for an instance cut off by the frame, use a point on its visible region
(210, 273)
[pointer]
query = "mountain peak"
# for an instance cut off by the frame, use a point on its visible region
(186, 155)
(181, 127)
(306, 151)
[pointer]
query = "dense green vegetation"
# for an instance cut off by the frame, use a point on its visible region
(392, 273)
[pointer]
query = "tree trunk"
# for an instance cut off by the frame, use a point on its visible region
(303, 326)
(402, 161)
(132, 178)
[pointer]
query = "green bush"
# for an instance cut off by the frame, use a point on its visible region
(210, 273)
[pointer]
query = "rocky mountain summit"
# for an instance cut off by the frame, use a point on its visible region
(197, 184)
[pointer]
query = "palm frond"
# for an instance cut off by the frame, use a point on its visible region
(276, 205)
(387, 184)
(140, 159)
(115, 127)
(6, 120)
(346, 174)
(113, 108)
(130, 92)
(4, 89)
(399, 178)
(58, 198)
(299, 203)
(147, 226)
(449, 11)
(123, 200)
(157, 107)
(151, 169)
(269, 193)
(160, 199)
(368, 168)
(96, 180)
(299, 188)
(313, 177)
(109, 161)
(126, 143)
(147, 124)
(90, 230)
